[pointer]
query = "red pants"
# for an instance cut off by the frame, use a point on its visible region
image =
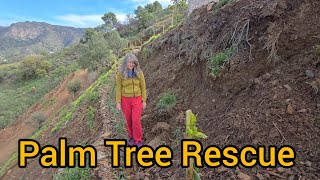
(132, 109)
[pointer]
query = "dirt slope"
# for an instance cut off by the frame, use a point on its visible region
(26, 126)
(255, 95)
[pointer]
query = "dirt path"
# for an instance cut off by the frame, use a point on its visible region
(104, 169)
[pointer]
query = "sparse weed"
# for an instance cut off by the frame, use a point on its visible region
(219, 60)
(166, 101)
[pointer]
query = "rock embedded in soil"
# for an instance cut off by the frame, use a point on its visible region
(243, 176)
(308, 163)
(260, 177)
(309, 74)
(290, 109)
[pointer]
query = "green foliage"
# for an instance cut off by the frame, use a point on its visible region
(74, 86)
(76, 173)
(33, 67)
(218, 60)
(95, 52)
(110, 20)
(220, 4)
(191, 133)
(179, 9)
(39, 117)
(115, 42)
(166, 101)
(90, 116)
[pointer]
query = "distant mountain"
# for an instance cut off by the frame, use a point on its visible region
(25, 38)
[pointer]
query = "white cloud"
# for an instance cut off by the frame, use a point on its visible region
(121, 16)
(85, 21)
(80, 20)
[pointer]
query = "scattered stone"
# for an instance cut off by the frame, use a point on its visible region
(161, 126)
(308, 163)
(302, 111)
(196, 18)
(288, 100)
(106, 135)
(287, 87)
(291, 177)
(267, 76)
(267, 175)
(155, 142)
(209, 7)
(290, 109)
(222, 169)
(309, 74)
(275, 96)
(274, 133)
(243, 176)
(260, 177)
(101, 155)
(256, 80)
(275, 82)
(281, 169)
(213, 100)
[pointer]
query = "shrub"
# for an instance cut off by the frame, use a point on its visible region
(33, 67)
(218, 60)
(166, 101)
(74, 86)
(39, 117)
(90, 116)
(220, 4)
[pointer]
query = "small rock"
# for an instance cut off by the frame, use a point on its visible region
(309, 74)
(302, 111)
(288, 100)
(274, 133)
(238, 170)
(260, 177)
(275, 96)
(196, 18)
(266, 76)
(290, 109)
(267, 175)
(213, 100)
(275, 82)
(155, 142)
(281, 169)
(209, 7)
(288, 87)
(256, 80)
(161, 126)
(291, 177)
(308, 163)
(243, 176)
(222, 169)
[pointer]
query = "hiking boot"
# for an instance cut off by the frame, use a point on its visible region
(139, 144)
(131, 142)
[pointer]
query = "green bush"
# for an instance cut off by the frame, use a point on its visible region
(33, 67)
(76, 173)
(39, 117)
(90, 116)
(218, 60)
(166, 101)
(74, 86)
(220, 4)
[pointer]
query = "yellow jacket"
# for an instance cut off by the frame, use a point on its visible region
(130, 87)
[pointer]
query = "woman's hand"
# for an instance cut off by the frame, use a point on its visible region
(144, 105)
(119, 106)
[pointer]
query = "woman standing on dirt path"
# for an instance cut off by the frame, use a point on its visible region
(131, 97)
